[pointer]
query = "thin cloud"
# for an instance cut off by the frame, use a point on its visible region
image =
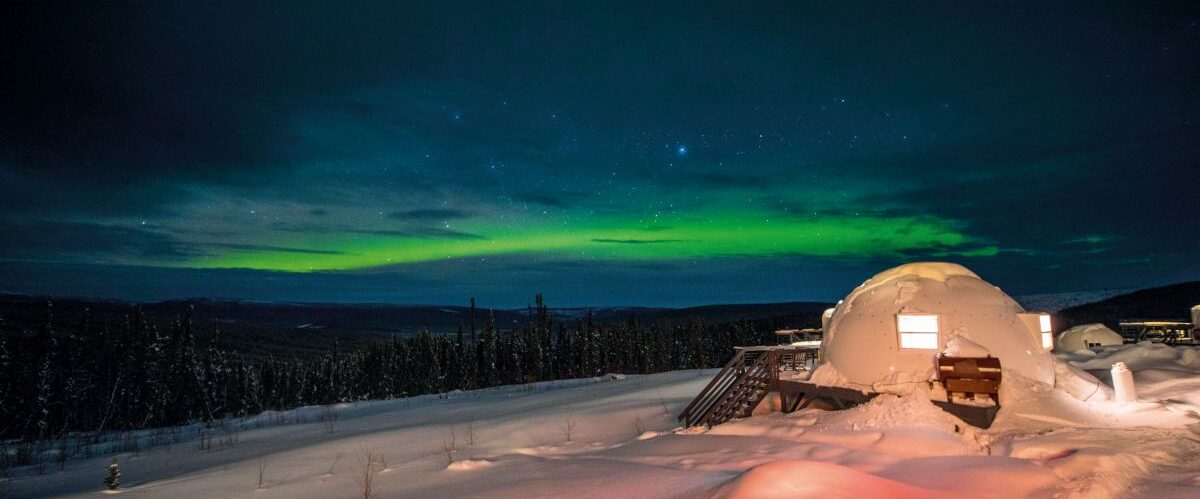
(636, 241)
(422, 232)
(431, 215)
(257, 248)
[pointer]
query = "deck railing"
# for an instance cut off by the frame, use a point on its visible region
(742, 383)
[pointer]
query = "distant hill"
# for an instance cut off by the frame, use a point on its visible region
(1173, 302)
(1053, 302)
(787, 314)
(257, 328)
(380, 318)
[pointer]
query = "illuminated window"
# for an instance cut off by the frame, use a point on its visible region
(1047, 331)
(918, 331)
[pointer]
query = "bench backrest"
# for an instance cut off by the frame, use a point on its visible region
(968, 368)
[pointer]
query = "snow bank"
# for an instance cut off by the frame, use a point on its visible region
(1140, 357)
(469, 464)
(962, 347)
(814, 479)
(1080, 384)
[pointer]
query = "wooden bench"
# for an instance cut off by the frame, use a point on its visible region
(969, 375)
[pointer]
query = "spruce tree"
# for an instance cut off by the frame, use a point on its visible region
(113, 480)
(7, 376)
(487, 353)
(473, 337)
(45, 381)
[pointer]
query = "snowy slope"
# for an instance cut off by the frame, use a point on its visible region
(512, 442)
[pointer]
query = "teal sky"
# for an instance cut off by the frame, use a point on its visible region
(605, 154)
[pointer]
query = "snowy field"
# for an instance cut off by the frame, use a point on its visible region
(617, 437)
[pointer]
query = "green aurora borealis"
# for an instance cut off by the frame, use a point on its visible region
(601, 153)
(719, 235)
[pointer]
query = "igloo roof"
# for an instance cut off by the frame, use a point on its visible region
(863, 344)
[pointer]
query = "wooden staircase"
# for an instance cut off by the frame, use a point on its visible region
(753, 372)
(735, 391)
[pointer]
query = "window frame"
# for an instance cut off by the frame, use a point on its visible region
(1047, 331)
(918, 339)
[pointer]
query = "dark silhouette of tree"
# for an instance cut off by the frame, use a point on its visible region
(77, 376)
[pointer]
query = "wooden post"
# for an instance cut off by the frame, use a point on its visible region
(773, 384)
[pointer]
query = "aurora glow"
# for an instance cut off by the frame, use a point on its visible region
(604, 154)
(721, 235)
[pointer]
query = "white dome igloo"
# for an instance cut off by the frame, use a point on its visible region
(1086, 336)
(863, 344)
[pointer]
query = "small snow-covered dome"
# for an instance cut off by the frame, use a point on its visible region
(890, 329)
(1196, 316)
(1086, 336)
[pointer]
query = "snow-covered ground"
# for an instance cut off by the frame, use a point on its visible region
(513, 442)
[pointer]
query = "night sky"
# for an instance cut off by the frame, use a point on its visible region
(603, 153)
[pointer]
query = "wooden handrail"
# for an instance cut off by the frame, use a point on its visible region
(744, 385)
(749, 373)
(721, 408)
(735, 363)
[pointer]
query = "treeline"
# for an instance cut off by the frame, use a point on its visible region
(55, 380)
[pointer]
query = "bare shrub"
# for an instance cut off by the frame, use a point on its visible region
(469, 434)
(158, 437)
(231, 434)
(334, 463)
(663, 402)
(39, 457)
(27, 453)
(450, 446)
(567, 425)
(329, 417)
(638, 425)
(368, 467)
(204, 439)
(63, 452)
(84, 446)
(128, 443)
(173, 435)
(262, 472)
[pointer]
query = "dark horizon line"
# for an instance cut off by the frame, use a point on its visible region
(219, 299)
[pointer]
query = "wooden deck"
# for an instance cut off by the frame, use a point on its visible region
(796, 395)
(746, 379)
(1169, 332)
(754, 373)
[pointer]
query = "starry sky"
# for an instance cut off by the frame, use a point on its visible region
(603, 153)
